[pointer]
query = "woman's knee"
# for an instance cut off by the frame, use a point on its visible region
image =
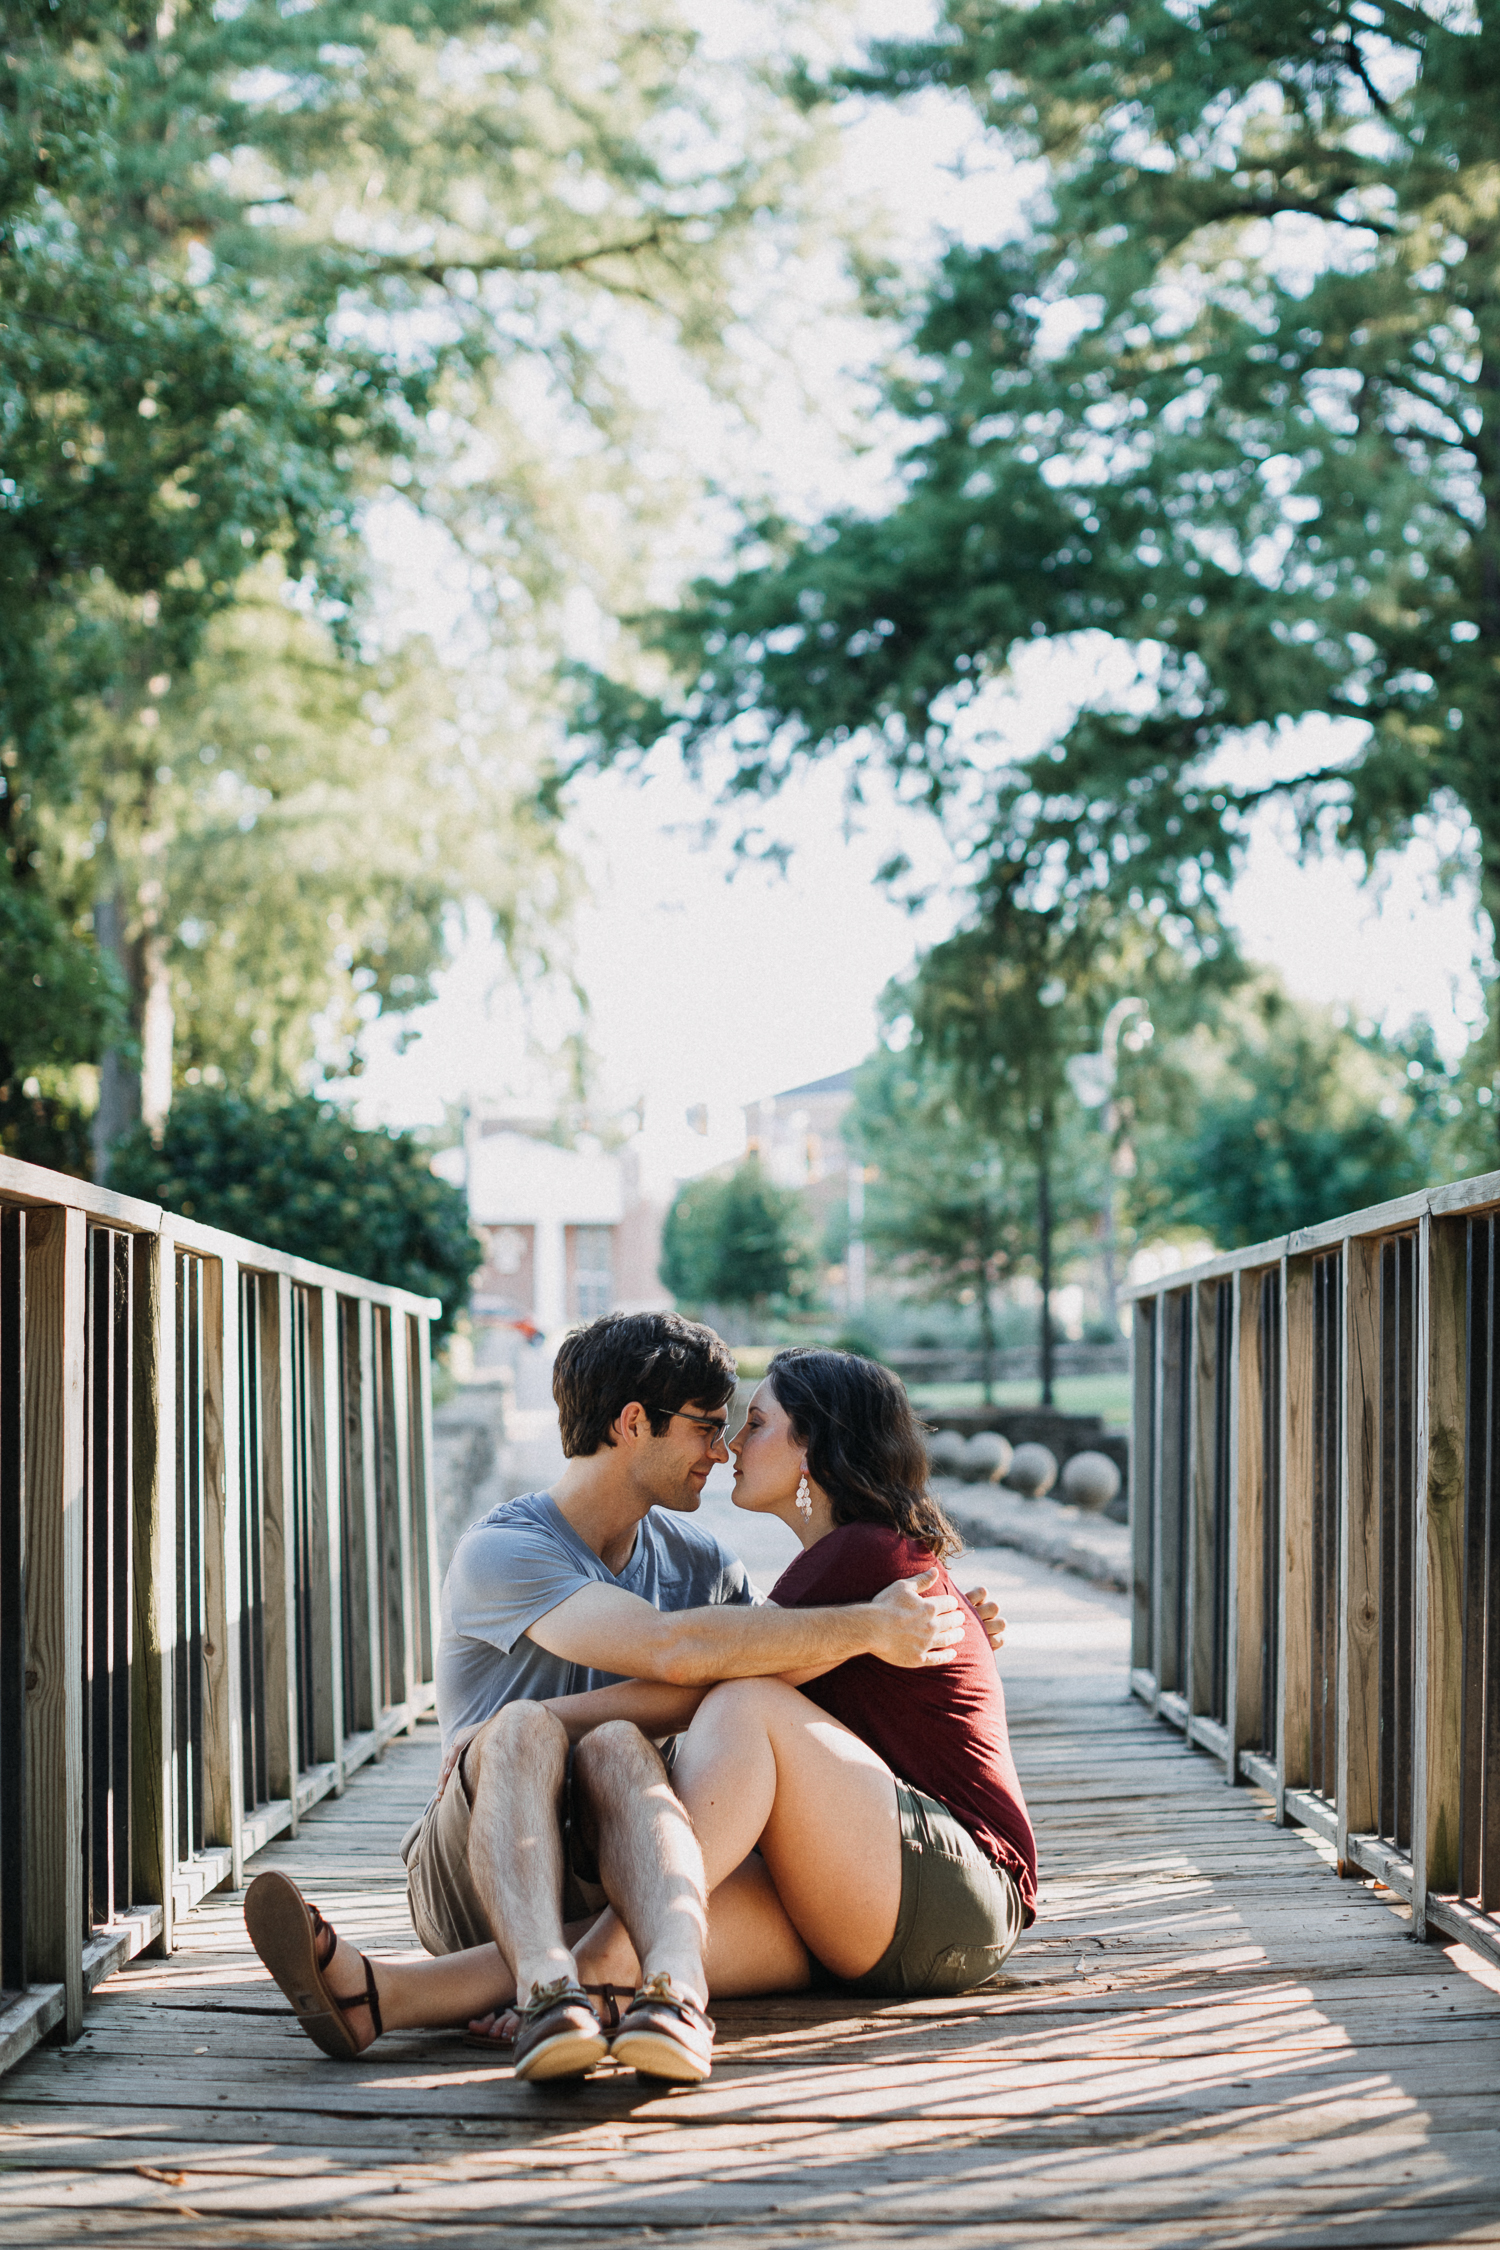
(749, 1703)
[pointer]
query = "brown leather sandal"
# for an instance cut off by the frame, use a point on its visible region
(297, 1945)
(611, 1995)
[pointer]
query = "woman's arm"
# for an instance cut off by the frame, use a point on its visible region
(655, 1706)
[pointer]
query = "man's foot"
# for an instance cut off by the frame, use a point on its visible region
(302, 1952)
(559, 2035)
(665, 2034)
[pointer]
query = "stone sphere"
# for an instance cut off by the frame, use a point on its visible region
(1033, 1471)
(1090, 1480)
(987, 1456)
(945, 1453)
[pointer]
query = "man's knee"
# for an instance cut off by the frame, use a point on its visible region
(617, 1755)
(523, 1737)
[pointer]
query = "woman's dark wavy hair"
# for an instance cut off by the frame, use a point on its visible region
(864, 1448)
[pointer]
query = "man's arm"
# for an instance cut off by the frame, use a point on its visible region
(609, 1630)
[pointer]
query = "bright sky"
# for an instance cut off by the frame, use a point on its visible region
(708, 985)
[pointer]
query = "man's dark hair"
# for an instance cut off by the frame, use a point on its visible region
(658, 1358)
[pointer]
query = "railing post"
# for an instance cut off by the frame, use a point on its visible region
(1442, 1323)
(1158, 1491)
(425, 1504)
(401, 1419)
(56, 1313)
(1294, 1666)
(155, 1575)
(369, 1441)
(1197, 1670)
(278, 1531)
(327, 1405)
(223, 1747)
(1142, 1480)
(1358, 1757)
(1242, 1684)
(319, 1675)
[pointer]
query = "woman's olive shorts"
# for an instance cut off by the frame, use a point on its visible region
(959, 1914)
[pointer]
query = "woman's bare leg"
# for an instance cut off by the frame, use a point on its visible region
(761, 1765)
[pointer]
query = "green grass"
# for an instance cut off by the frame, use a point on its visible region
(1108, 1395)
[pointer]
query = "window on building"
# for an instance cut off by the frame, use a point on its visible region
(593, 1270)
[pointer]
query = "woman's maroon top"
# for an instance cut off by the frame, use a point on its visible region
(941, 1728)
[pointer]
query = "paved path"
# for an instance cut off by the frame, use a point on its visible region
(1207, 2040)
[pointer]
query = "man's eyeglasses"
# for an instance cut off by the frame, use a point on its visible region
(716, 1432)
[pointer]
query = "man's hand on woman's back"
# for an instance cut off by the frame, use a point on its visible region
(917, 1626)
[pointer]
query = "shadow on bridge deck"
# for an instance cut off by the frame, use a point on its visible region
(1206, 2039)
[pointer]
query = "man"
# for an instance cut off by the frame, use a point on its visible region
(594, 1615)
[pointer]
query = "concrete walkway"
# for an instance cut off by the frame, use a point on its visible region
(1206, 2040)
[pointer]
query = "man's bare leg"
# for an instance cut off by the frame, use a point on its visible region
(516, 1764)
(649, 1861)
(514, 1767)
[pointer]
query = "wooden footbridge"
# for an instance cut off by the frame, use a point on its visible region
(1207, 2039)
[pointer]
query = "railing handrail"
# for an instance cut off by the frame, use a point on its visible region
(35, 1186)
(1481, 1193)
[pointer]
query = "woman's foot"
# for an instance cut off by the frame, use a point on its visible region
(331, 1986)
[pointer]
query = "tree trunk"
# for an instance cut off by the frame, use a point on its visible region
(157, 1026)
(986, 1340)
(119, 1080)
(1044, 1253)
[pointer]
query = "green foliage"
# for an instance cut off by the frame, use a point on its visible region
(264, 264)
(733, 1241)
(59, 996)
(301, 1178)
(1229, 402)
(1283, 1115)
(949, 1211)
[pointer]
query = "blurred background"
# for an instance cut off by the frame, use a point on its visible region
(832, 664)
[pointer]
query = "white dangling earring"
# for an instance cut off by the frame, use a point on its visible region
(804, 1494)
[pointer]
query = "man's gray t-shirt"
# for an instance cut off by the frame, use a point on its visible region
(519, 1562)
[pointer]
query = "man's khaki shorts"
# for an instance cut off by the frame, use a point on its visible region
(445, 1909)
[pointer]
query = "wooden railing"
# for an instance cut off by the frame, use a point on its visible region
(218, 1571)
(1316, 1525)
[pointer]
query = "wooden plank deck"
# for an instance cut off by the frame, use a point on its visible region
(1207, 2040)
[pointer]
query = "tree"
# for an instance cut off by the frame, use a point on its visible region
(261, 265)
(1291, 1116)
(733, 1240)
(1230, 401)
(301, 1177)
(313, 821)
(1003, 1006)
(947, 1211)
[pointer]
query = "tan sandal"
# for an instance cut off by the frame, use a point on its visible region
(665, 2034)
(297, 1945)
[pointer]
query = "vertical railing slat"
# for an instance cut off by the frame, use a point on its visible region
(1294, 1666)
(406, 1604)
(1245, 1626)
(1438, 1609)
(222, 1727)
(155, 1575)
(369, 1440)
(56, 1300)
(1359, 1642)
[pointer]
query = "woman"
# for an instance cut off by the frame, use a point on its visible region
(884, 1804)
